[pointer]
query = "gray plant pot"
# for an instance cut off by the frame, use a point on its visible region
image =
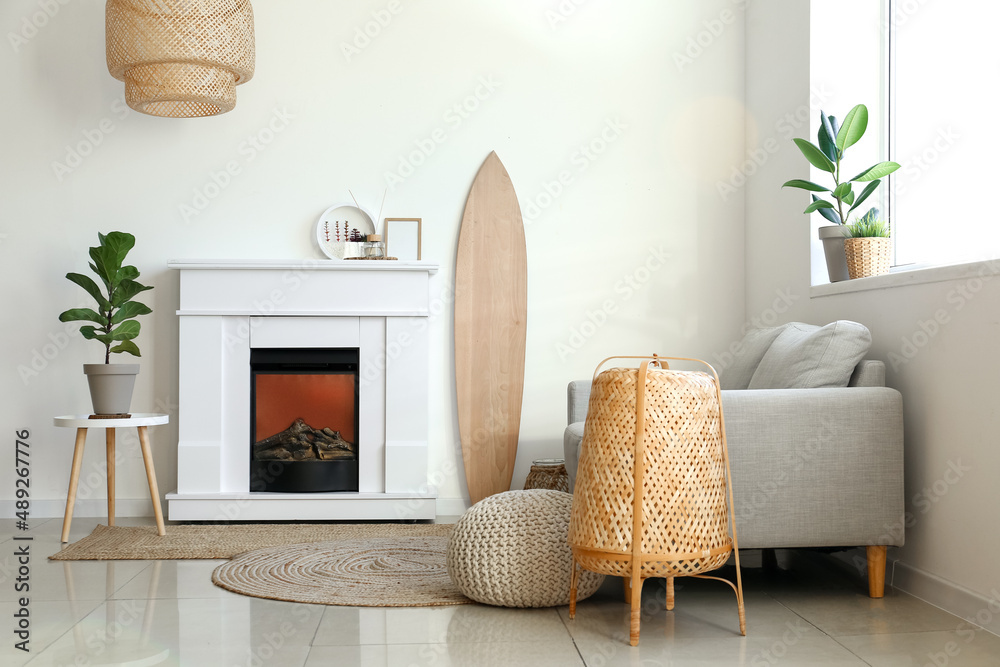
(111, 387)
(832, 237)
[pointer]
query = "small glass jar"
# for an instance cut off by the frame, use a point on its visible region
(374, 248)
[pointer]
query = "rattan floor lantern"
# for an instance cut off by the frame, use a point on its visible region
(652, 497)
(180, 58)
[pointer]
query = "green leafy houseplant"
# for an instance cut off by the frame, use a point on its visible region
(115, 308)
(834, 139)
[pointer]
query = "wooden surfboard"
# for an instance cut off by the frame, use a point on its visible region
(491, 297)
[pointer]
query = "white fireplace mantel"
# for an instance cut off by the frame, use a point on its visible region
(228, 307)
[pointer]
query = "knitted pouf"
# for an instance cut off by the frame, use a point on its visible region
(511, 550)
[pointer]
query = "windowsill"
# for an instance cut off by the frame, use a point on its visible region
(909, 275)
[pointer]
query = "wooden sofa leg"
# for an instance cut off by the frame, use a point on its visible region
(876, 571)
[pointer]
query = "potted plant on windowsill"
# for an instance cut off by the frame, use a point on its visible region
(834, 139)
(111, 384)
(867, 247)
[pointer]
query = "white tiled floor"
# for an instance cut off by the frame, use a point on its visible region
(170, 613)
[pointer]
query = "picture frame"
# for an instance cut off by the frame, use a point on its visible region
(402, 238)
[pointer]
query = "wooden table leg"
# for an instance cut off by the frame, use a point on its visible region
(110, 438)
(74, 478)
(154, 492)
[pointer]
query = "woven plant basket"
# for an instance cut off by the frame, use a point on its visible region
(651, 496)
(180, 58)
(867, 256)
(548, 474)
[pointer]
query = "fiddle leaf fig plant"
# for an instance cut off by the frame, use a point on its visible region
(834, 139)
(115, 308)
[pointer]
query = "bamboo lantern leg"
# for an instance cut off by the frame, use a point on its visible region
(670, 593)
(572, 591)
(636, 604)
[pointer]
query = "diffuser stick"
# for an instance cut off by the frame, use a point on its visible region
(379, 218)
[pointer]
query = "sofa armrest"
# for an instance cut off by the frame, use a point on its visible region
(577, 398)
(868, 373)
(816, 467)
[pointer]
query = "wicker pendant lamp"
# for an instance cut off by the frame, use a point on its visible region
(180, 58)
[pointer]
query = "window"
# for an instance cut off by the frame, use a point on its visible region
(926, 71)
(943, 79)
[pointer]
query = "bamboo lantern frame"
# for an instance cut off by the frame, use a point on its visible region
(651, 498)
(180, 58)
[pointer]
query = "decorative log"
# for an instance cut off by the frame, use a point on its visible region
(301, 442)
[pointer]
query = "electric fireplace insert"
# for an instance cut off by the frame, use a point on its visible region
(303, 420)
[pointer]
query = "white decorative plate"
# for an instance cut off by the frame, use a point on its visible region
(331, 234)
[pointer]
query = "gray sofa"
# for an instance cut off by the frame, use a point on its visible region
(811, 467)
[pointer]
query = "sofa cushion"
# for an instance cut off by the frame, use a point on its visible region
(804, 356)
(738, 372)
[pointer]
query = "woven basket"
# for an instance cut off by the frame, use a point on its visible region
(180, 58)
(651, 496)
(867, 256)
(548, 474)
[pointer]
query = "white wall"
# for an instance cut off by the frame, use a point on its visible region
(949, 375)
(326, 123)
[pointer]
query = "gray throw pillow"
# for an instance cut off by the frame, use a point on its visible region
(735, 368)
(804, 356)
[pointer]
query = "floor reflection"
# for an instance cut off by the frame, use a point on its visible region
(128, 635)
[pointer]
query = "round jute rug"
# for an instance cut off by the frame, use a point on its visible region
(373, 572)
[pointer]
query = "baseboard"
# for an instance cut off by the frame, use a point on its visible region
(90, 507)
(949, 596)
(451, 506)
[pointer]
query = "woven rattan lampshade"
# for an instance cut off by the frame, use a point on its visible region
(651, 496)
(180, 58)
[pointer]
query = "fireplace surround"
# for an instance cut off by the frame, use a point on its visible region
(231, 311)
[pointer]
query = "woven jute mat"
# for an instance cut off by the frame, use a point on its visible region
(370, 572)
(226, 540)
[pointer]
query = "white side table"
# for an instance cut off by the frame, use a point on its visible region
(139, 421)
